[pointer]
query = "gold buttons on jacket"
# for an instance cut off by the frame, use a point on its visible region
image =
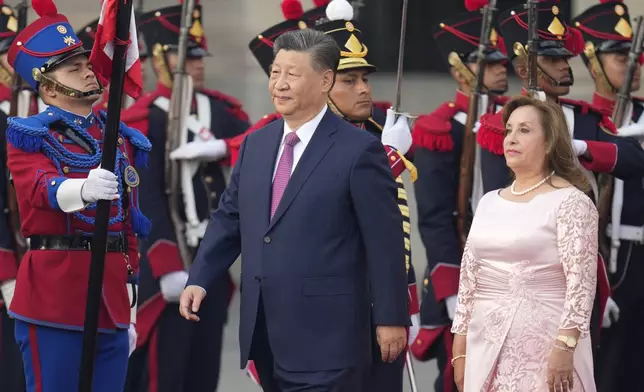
(66, 169)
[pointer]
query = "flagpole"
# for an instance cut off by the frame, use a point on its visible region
(99, 240)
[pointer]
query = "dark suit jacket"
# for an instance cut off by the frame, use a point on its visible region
(336, 233)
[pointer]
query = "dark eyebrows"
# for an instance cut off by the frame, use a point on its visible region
(522, 123)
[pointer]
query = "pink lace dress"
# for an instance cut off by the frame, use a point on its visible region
(528, 270)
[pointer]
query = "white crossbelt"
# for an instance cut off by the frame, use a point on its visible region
(200, 127)
(628, 233)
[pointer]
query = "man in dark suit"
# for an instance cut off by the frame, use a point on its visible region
(311, 205)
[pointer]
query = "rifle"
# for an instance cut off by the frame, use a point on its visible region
(19, 107)
(179, 110)
(466, 169)
(612, 191)
(533, 40)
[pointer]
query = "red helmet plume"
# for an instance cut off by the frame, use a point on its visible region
(44, 7)
(292, 9)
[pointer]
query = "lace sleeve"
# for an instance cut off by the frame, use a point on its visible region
(577, 237)
(466, 287)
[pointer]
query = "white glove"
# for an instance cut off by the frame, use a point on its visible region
(100, 185)
(579, 146)
(212, 150)
(611, 310)
(414, 329)
(131, 334)
(396, 133)
(450, 304)
(75, 193)
(172, 285)
(7, 289)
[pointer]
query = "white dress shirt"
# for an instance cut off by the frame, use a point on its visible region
(305, 133)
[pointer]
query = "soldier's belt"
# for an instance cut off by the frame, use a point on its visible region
(628, 233)
(76, 242)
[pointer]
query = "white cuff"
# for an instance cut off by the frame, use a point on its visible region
(69, 196)
(130, 295)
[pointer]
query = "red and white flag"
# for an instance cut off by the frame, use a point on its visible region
(103, 50)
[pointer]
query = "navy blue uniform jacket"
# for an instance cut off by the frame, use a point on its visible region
(334, 248)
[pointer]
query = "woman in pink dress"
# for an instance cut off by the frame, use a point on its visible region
(529, 267)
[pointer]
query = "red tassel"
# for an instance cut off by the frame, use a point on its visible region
(575, 42)
(292, 9)
(317, 3)
(642, 59)
(473, 5)
(491, 133)
(610, 1)
(44, 7)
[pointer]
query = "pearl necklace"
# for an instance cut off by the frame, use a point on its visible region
(535, 186)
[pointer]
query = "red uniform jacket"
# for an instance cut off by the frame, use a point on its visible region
(52, 285)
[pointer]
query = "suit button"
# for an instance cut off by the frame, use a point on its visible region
(208, 179)
(257, 279)
(267, 240)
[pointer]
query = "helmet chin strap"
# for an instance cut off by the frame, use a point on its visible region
(554, 82)
(65, 90)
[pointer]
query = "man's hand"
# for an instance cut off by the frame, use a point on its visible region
(212, 150)
(6, 289)
(100, 184)
(190, 302)
(396, 133)
(392, 342)
(131, 334)
(611, 313)
(580, 147)
(450, 304)
(172, 285)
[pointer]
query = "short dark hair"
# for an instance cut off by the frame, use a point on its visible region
(325, 52)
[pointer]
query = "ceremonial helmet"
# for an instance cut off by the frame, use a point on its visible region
(346, 32)
(457, 38)
(555, 37)
(44, 44)
(295, 19)
(606, 28)
(160, 29)
(8, 32)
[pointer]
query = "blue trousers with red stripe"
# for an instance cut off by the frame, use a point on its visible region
(52, 358)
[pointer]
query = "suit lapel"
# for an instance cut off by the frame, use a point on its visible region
(265, 163)
(317, 148)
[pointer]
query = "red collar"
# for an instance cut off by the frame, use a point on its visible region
(164, 90)
(462, 100)
(603, 103)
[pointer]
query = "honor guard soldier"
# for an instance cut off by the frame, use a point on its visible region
(350, 98)
(54, 157)
(12, 376)
(608, 34)
(175, 354)
(87, 34)
(595, 139)
(438, 146)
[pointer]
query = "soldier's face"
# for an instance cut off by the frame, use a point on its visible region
(615, 66)
(496, 77)
(351, 93)
(558, 69)
(295, 85)
(76, 73)
(194, 66)
(524, 145)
